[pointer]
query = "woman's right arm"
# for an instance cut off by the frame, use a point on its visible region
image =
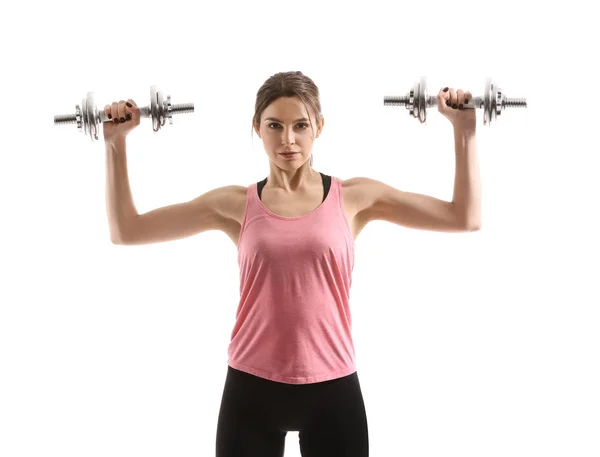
(210, 211)
(120, 208)
(127, 227)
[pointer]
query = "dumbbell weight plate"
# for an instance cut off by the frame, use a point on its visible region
(421, 100)
(492, 103)
(90, 119)
(156, 108)
(161, 109)
(487, 102)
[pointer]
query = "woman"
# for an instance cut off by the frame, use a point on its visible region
(291, 358)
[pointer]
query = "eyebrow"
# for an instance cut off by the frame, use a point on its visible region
(278, 120)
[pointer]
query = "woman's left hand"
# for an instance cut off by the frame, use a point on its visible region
(450, 103)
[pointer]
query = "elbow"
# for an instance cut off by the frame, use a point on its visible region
(470, 224)
(118, 236)
(473, 226)
(468, 221)
(116, 239)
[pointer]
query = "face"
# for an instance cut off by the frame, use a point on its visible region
(285, 126)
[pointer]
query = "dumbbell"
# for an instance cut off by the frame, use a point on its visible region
(88, 118)
(493, 101)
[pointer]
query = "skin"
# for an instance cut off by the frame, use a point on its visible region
(289, 175)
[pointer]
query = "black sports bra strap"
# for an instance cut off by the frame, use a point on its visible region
(325, 178)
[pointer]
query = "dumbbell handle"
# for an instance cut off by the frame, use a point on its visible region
(474, 103)
(145, 111)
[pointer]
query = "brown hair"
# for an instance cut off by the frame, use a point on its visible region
(288, 84)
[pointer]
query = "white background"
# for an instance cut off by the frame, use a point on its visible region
(471, 344)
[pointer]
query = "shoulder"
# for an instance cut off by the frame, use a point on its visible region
(224, 201)
(362, 188)
(352, 183)
(361, 193)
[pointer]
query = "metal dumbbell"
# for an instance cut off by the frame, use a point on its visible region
(493, 101)
(88, 118)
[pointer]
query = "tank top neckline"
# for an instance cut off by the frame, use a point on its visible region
(277, 216)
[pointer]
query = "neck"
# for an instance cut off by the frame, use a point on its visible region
(293, 180)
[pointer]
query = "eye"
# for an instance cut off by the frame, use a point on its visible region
(301, 123)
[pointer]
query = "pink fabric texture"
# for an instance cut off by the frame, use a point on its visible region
(293, 322)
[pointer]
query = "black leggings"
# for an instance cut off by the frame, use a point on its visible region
(257, 413)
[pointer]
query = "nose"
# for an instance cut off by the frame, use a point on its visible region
(288, 136)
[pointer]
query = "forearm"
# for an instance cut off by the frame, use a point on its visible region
(467, 183)
(119, 201)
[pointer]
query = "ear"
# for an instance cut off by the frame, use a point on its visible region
(256, 129)
(320, 127)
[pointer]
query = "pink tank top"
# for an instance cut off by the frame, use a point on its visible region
(293, 322)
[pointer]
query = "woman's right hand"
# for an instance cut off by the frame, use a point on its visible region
(124, 117)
